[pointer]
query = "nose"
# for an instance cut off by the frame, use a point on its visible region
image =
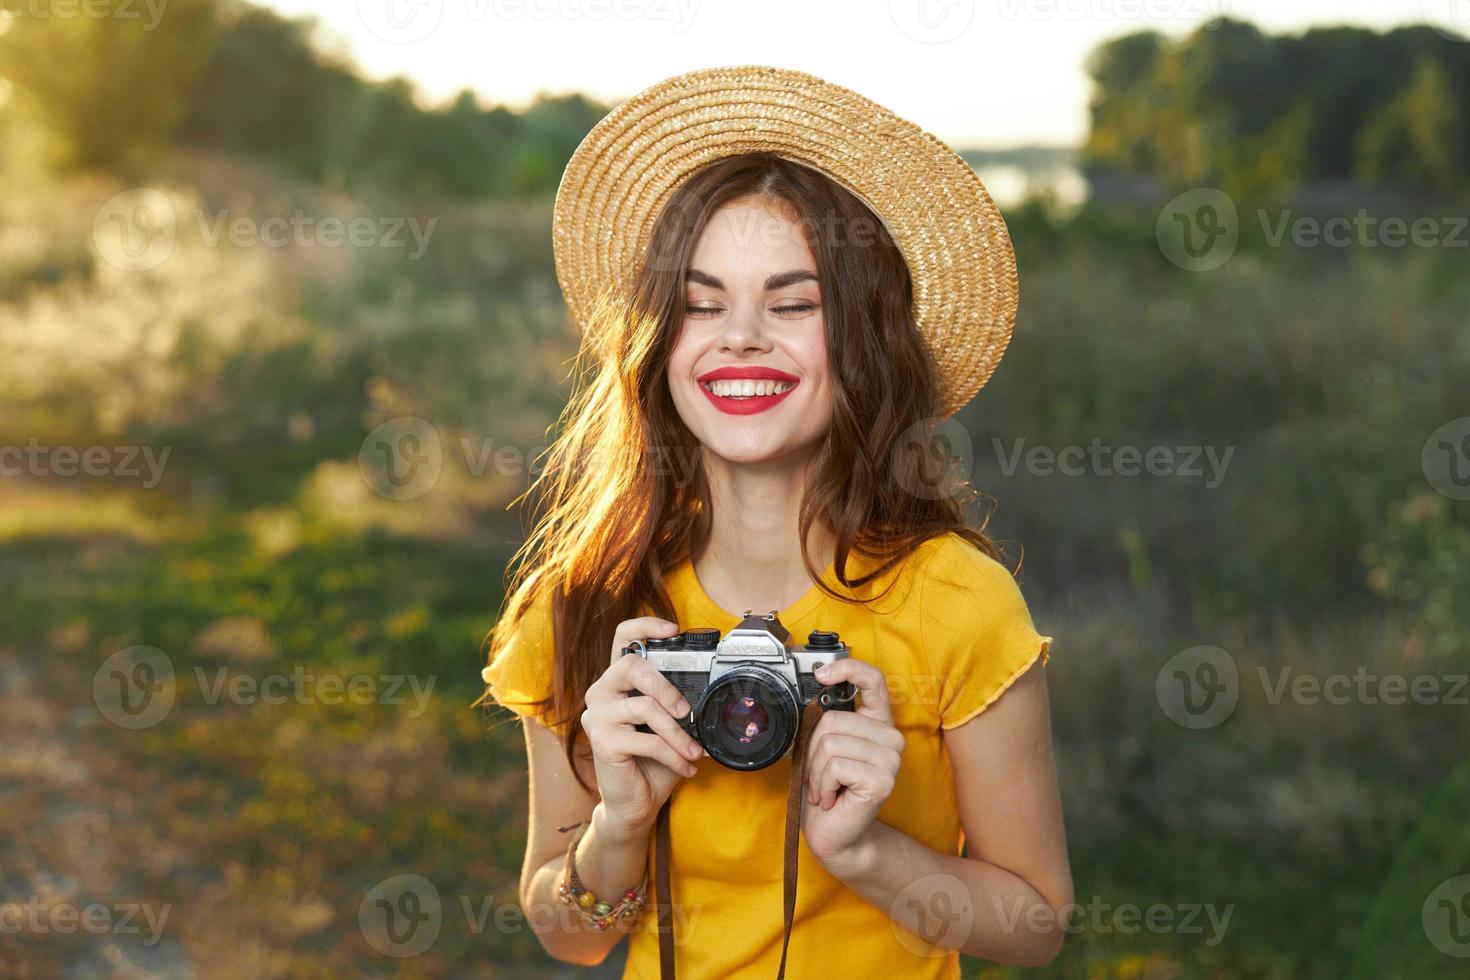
(743, 333)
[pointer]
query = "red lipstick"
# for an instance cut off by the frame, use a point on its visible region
(731, 398)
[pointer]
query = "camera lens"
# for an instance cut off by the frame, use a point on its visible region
(747, 718)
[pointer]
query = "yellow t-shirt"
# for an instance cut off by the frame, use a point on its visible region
(950, 637)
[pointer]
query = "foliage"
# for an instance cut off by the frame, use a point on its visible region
(1232, 107)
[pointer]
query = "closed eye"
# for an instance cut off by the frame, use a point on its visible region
(794, 309)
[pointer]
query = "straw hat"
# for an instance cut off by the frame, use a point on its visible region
(931, 202)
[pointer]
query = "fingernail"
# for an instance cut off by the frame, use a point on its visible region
(822, 671)
(681, 707)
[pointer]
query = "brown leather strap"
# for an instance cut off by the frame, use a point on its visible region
(663, 900)
(795, 799)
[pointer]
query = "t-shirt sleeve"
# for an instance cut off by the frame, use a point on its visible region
(523, 669)
(976, 629)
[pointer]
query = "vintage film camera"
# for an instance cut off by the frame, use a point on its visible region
(747, 689)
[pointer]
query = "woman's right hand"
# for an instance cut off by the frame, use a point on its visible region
(636, 771)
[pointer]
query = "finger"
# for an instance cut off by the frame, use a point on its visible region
(867, 679)
(641, 628)
(624, 744)
(633, 673)
(646, 711)
(863, 726)
(839, 746)
(861, 778)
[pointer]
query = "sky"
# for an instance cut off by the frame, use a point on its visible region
(976, 73)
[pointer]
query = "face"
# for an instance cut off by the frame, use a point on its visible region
(748, 373)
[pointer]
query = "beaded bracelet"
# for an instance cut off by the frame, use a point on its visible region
(596, 912)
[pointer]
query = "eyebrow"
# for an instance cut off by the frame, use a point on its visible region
(779, 280)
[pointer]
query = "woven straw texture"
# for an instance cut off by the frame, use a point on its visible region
(931, 202)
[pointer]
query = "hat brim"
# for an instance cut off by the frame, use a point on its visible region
(931, 201)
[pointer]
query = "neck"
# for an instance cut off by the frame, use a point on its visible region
(753, 557)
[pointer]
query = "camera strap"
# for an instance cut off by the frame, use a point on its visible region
(795, 798)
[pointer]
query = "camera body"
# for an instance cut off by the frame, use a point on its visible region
(747, 689)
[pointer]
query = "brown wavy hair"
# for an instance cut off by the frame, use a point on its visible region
(622, 497)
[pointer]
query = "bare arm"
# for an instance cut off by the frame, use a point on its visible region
(633, 772)
(1008, 900)
(607, 863)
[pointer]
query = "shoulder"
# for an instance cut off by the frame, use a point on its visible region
(974, 624)
(522, 660)
(949, 567)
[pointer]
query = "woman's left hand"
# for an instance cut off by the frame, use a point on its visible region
(851, 764)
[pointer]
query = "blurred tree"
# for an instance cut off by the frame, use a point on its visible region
(105, 81)
(1417, 136)
(1229, 106)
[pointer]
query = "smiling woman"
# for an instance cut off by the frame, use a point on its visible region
(791, 336)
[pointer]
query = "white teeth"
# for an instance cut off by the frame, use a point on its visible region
(747, 388)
